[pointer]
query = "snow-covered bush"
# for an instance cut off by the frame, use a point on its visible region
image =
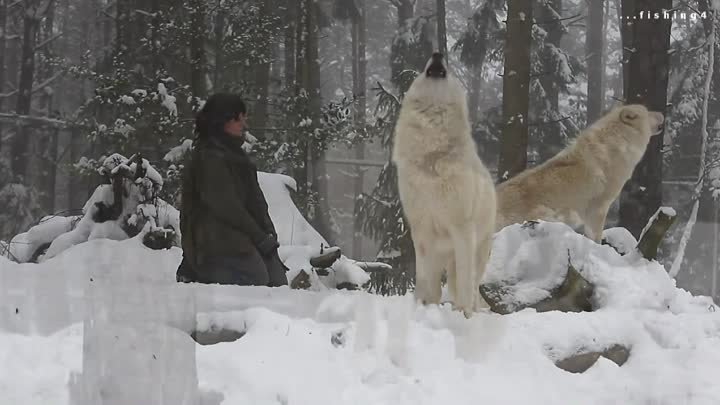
(124, 207)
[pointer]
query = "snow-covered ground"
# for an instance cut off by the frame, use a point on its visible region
(338, 347)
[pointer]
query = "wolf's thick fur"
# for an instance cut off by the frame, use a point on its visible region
(447, 193)
(578, 185)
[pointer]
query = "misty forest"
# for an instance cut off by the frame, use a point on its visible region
(81, 80)
(98, 101)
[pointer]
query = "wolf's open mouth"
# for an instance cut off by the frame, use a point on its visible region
(436, 68)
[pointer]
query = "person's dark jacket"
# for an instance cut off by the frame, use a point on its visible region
(224, 212)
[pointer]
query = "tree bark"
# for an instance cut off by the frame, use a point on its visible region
(46, 152)
(290, 40)
(550, 138)
(406, 10)
(626, 8)
(262, 74)
(197, 48)
(441, 26)
(3, 35)
(647, 82)
(20, 143)
(516, 86)
(301, 80)
(320, 177)
(594, 51)
(554, 29)
(219, 43)
(359, 88)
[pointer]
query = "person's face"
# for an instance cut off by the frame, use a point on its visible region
(235, 126)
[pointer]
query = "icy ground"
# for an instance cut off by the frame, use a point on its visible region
(332, 347)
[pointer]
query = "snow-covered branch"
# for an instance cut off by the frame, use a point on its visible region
(37, 87)
(49, 40)
(15, 118)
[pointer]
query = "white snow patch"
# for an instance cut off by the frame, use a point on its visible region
(621, 239)
(167, 100)
(176, 153)
(127, 100)
(346, 346)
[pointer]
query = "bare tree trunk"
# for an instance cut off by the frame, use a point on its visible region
(3, 36)
(594, 51)
(219, 33)
(516, 86)
(441, 26)
(320, 177)
(156, 62)
(13, 47)
(301, 79)
(359, 88)
(549, 137)
(262, 83)
(406, 10)
(626, 8)
(122, 26)
(197, 48)
(290, 42)
(20, 144)
(550, 14)
(47, 151)
(476, 83)
(646, 84)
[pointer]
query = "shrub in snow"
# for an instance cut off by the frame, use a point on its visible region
(127, 205)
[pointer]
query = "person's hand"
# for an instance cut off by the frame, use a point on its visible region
(268, 245)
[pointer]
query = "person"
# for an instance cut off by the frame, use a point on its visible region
(227, 234)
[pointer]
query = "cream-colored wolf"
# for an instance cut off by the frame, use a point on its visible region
(447, 194)
(578, 184)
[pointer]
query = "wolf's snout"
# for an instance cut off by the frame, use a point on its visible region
(436, 68)
(658, 122)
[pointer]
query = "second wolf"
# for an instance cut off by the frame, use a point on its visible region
(578, 185)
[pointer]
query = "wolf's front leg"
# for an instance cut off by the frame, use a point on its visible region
(465, 243)
(428, 289)
(483, 256)
(595, 222)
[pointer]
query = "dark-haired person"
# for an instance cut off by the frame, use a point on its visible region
(227, 234)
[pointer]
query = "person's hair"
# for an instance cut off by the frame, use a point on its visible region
(218, 110)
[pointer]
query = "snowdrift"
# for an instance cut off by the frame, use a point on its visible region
(330, 347)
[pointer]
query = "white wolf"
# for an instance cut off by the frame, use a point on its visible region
(578, 184)
(447, 194)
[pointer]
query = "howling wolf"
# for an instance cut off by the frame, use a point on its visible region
(578, 184)
(447, 193)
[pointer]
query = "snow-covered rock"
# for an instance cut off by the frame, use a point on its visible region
(531, 260)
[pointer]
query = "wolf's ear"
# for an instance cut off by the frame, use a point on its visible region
(628, 115)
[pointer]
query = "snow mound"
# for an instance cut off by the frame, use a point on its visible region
(531, 259)
(23, 246)
(299, 241)
(330, 347)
